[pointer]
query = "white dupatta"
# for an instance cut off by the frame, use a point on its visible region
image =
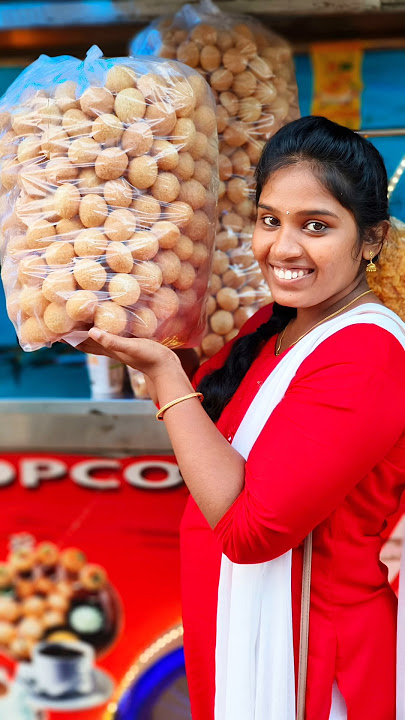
(254, 656)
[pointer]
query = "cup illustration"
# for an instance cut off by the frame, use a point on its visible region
(60, 668)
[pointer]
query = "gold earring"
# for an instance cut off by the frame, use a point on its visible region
(371, 267)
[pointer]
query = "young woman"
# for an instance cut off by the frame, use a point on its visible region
(302, 429)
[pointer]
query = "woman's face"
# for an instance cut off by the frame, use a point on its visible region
(304, 240)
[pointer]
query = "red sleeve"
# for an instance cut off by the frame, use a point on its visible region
(341, 415)
(219, 359)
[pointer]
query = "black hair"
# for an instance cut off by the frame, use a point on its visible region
(353, 171)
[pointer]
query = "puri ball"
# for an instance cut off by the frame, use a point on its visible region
(184, 247)
(188, 53)
(166, 154)
(147, 210)
(167, 234)
(187, 299)
(221, 322)
(211, 344)
(81, 306)
(40, 234)
(242, 315)
(228, 299)
(76, 123)
(221, 79)
(59, 252)
(58, 286)
(164, 303)
(144, 324)
(200, 255)
(186, 277)
(185, 167)
(120, 77)
(34, 332)
(210, 58)
(183, 98)
(137, 139)
(142, 172)
(65, 96)
(30, 149)
(119, 257)
(31, 270)
(54, 142)
(179, 213)
(89, 182)
(120, 225)
(57, 320)
(93, 210)
(32, 301)
(83, 151)
(118, 193)
(234, 61)
(107, 129)
(166, 187)
(169, 264)
(222, 118)
(89, 274)
(143, 245)
(205, 120)
(60, 170)
(204, 34)
(97, 101)
(184, 133)
(199, 228)
(193, 193)
(66, 201)
(203, 172)
(124, 289)
(129, 105)
(225, 167)
(111, 163)
(161, 118)
(237, 190)
(149, 276)
(90, 243)
(111, 318)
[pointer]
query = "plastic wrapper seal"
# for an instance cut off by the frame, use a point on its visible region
(388, 281)
(108, 187)
(251, 74)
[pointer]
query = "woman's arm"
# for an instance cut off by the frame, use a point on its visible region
(213, 471)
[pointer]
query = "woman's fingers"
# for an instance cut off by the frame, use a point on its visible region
(113, 343)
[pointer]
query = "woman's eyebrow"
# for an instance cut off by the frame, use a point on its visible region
(300, 212)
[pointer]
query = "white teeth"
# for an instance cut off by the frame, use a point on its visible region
(289, 274)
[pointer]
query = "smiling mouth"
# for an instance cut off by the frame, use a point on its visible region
(291, 273)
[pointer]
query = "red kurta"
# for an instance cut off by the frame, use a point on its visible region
(330, 457)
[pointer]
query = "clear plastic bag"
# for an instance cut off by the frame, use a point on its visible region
(251, 74)
(388, 281)
(103, 221)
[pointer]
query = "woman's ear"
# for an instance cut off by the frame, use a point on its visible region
(375, 239)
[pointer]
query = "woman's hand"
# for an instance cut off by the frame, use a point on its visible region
(148, 356)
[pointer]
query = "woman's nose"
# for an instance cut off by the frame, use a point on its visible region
(285, 244)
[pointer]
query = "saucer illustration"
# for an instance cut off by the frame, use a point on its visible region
(103, 687)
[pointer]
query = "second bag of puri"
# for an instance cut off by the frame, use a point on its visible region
(108, 186)
(251, 74)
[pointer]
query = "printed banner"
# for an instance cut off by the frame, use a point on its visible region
(338, 82)
(89, 577)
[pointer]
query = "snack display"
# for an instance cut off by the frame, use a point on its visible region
(388, 282)
(250, 72)
(53, 594)
(108, 186)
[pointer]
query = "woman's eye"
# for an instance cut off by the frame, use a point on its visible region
(270, 221)
(316, 226)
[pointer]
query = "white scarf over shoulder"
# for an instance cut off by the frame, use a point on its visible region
(254, 648)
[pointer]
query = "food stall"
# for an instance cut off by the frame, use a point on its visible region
(89, 543)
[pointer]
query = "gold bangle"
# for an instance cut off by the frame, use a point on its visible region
(159, 415)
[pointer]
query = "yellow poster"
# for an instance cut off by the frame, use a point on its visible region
(337, 82)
